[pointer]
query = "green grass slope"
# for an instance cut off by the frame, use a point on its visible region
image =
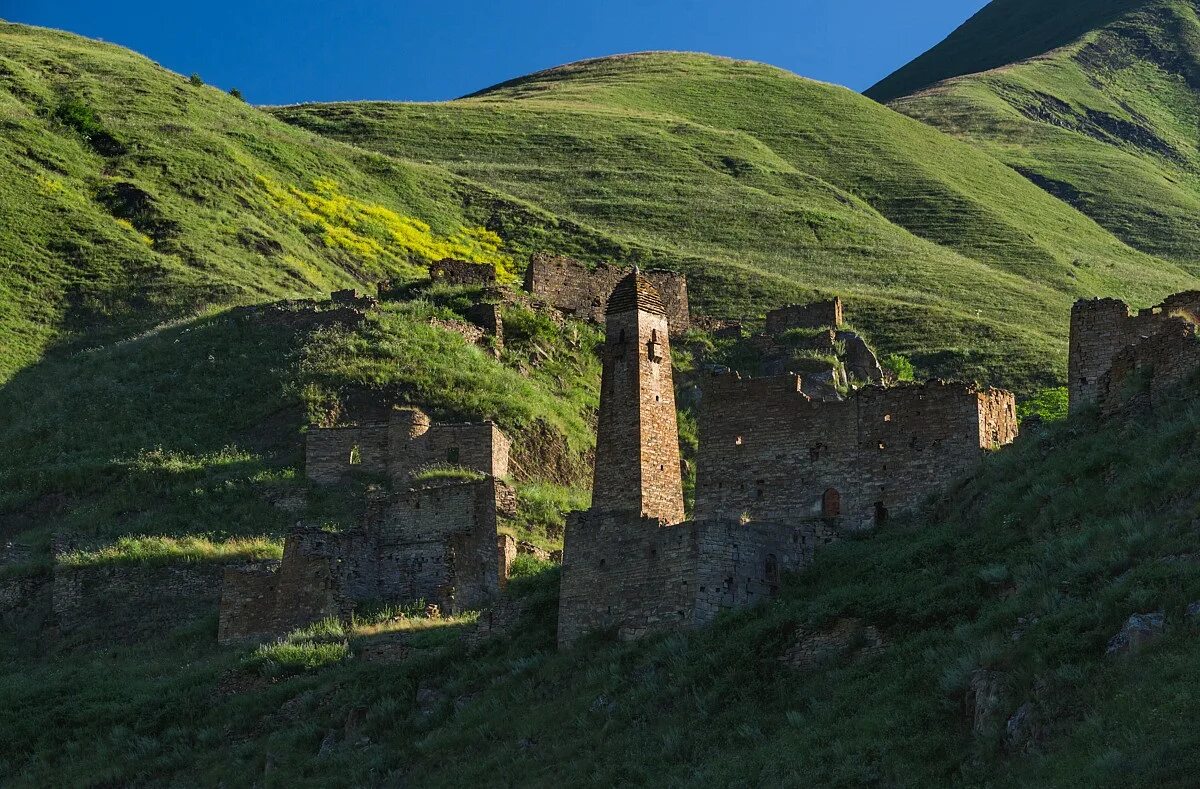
(941, 251)
(131, 196)
(1002, 32)
(1024, 570)
(1106, 122)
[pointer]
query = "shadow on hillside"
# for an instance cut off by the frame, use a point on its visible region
(192, 427)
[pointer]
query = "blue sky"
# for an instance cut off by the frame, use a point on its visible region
(363, 49)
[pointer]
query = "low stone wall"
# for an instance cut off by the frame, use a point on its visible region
(26, 604)
(130, 602)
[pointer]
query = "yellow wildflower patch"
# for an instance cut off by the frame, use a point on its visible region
(376, 234)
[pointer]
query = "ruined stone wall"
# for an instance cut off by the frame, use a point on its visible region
(1102, 328)
(817, 315)
(742, 565)
(576, 290)
(129, 602)
(330, 453)
(635, 576)
(406, 443)
(462, 272)
(26, 603)
(435, 545)
(1150, 372)
(770, 453)
(438, 544)
(625, 574)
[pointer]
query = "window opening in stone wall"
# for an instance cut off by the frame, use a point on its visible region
(452, 455)
(881, 513)
(771, 570)
(622, 337)
(355, 456)
(887, 417)
(831, 504)
(738, 441)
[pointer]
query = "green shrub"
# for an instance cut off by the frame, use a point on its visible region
(899, 367)
(237, 94)
(1049, 405)
(317, 646)
(195, 80)
(76, 114)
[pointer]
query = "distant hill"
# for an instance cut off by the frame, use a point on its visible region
(942, 252)
(1106, 122)
(1003, 32)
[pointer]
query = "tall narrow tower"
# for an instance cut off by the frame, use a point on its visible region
(637, 443)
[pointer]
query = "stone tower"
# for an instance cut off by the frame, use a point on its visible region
(637, 443)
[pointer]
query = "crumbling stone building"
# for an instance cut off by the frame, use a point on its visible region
(581, 292)
(779, 475)
(823, 332)
(1149, 373)
(817, 315)
(423, 541)
(1102, 328)
(405, 443)
(769, 452)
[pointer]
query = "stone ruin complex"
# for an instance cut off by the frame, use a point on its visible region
(779, 474)
(1110, 344)
(432, 541)
(577, 291)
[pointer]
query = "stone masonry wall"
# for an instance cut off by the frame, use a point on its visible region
(742, 565)
(770, 453)
(637, 447)
(404, 444)
(127, 602)
(582, 292)
(1102, 328)
(636, 576)
(626, 574)
(434, 545)
(817, 315)
(462, 272)
(1148, 373)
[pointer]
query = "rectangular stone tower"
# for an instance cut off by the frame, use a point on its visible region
(637, 444)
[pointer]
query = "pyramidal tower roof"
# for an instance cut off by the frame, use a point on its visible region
(635, 292)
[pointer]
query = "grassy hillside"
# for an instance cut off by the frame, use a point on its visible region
(1107, 122)
(132, 196)
(942, 252)
(1003, 32)
(187, 443)
(1025, 570)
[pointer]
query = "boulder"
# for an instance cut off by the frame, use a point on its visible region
(861, 362)
(982, 701)
(1138, 631)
